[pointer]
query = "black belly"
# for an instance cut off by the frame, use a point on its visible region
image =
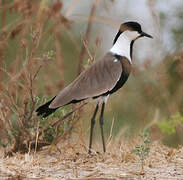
(120, 83)
(126, 69)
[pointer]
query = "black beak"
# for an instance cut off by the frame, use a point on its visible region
(145, 34)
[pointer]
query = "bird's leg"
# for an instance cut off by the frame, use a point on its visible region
(101, 125)
(91, 127)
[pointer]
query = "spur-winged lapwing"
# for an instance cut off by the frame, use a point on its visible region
(102, 78)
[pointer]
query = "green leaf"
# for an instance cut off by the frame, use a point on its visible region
(146, 132)
(147, 141)
(169, 126)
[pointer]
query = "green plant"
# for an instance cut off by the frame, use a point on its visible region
(142, 150)
(169, 126)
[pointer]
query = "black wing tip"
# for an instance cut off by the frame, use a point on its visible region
(44, 110)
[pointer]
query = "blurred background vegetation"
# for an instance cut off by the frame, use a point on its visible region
(44, 44)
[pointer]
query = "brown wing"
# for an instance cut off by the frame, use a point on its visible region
(99, 78)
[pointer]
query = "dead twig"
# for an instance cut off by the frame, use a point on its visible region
(36, 141)
(54, 123)
(110, 136)
(87, 36)
(2, 38)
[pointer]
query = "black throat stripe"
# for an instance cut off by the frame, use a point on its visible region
(117, 36)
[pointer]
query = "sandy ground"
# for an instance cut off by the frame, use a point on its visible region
(73, 162)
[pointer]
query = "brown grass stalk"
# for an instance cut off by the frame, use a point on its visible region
(2, 38)
(56, 122)
(87, 36)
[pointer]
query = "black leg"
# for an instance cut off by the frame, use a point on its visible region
(101, 125)
(91, 127)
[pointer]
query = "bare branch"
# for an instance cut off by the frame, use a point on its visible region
(87, 36)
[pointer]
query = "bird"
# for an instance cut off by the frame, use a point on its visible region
(103, 78)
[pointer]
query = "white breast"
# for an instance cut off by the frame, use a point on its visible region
(122, 45)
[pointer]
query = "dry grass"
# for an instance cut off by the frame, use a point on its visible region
(38, 29)
(73, 162)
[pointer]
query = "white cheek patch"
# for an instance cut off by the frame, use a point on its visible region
(115, 60)
(132, 35)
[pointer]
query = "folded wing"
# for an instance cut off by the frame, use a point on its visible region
(99, 78)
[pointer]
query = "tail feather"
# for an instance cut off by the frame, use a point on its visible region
(44, 110)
